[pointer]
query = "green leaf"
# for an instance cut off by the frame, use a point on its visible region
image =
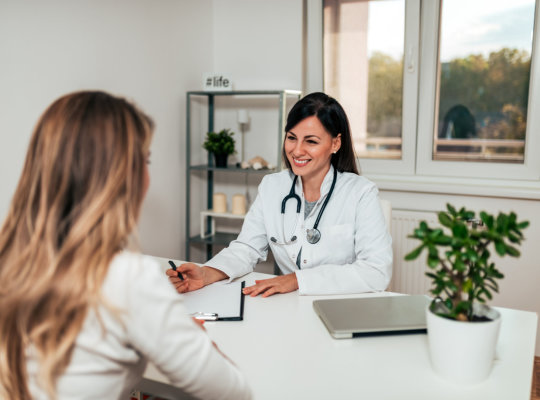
(487, 219)
(414, 254)
(513, 238)
(523, 225)
(472, 255)
(467, 285)
(433, 262)
(502, 224)
(445, 219)
(512, 251)
(460, 231)
(459, 265)
(500, 247)
(443, 240)
(431, 275)
(419, 234)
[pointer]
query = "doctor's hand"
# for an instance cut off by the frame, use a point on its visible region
(268, 287)
(195, 277)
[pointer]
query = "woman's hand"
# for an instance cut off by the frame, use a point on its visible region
(195, 277)
(268, 287)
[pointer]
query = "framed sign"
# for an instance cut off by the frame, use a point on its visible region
(216, 81)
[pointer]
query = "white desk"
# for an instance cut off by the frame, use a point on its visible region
(286, 353)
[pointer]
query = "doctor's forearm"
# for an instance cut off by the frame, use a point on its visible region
(211, 275)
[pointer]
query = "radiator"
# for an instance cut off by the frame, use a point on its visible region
(409, 276)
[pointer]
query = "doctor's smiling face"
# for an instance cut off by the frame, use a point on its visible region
(309, 148)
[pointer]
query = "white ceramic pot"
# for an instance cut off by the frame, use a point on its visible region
(463, 352)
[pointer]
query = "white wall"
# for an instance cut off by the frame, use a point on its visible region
(150, 52)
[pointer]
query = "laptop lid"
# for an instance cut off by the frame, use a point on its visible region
(369, 316)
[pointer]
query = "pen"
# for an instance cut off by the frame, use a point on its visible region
(205, 316)
(173, 266)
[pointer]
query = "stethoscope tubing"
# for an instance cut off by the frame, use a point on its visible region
(313, 234)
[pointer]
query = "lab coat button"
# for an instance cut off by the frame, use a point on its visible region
(305, 261)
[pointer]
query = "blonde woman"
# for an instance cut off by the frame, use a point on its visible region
(79, 315)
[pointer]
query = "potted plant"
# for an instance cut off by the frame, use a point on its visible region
(462, 329)
(221, 144)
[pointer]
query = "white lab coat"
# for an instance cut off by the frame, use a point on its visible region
(354, 254)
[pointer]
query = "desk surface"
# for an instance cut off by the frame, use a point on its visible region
(286, 353)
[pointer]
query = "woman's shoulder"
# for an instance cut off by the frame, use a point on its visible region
(131, 272)
(277, 178)
(134, 262)
(358, 183)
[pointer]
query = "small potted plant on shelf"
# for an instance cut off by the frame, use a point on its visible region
(462, 329)
(221, 144)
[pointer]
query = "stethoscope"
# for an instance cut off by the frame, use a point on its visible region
(313, 235)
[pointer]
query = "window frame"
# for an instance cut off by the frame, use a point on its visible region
(405, 165)
(422, 28)
(428, 103)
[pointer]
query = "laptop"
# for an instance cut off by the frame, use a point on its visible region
(373, 316)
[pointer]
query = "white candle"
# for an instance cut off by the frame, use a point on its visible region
(220, 202)
(239, 204)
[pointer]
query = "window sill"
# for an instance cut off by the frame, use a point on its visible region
(529, 190)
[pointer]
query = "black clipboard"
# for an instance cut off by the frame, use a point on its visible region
(219, 301)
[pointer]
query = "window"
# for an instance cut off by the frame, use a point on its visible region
(363, 67)
(461, 109)
(483, 80)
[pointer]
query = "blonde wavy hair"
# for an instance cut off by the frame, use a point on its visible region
(77, 201)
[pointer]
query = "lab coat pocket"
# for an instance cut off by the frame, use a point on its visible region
(336, 245)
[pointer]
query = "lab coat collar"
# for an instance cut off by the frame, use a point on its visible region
(325, 186)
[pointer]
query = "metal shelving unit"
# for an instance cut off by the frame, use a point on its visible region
(221, 238)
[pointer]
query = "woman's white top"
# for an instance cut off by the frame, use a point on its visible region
(354, 254)
(109, 360)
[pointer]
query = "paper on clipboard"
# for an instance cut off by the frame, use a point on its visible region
(224, 299)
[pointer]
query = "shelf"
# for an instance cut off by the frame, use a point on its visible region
(212, 214)
(208, 172)
(218, 238)
(232, 168)
(243, 92)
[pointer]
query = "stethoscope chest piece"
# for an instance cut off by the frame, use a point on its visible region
(313, 235)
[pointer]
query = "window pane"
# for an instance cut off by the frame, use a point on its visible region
(363, 69)
(485, 57)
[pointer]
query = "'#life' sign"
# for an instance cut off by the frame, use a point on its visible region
(216, 81)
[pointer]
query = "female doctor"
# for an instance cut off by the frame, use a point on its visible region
(321, 219)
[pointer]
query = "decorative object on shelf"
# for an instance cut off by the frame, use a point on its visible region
(219, 203)
(243, 121)
(217, 82)
(220, 144)
(462, 329)
(239, 204)
(257, 163)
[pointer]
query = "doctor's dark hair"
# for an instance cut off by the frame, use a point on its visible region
(332, 116)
